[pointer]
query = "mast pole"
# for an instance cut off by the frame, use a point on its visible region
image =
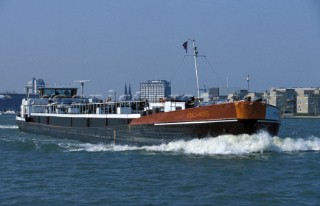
(248, 81)
(82, 84)
(195, 56)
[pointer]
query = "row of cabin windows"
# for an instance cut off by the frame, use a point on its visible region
(45, 93)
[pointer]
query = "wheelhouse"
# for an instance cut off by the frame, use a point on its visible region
(53, 92)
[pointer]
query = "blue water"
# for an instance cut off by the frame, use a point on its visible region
(227, 170)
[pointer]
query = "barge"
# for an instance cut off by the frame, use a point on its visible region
(60, 112)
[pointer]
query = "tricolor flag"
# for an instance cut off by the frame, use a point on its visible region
(185, 46)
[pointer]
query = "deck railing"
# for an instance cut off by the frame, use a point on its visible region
(132, 107)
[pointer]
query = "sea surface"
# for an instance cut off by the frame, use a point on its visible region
(227, 170)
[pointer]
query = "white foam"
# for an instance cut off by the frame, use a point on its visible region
(290, 145)
(241, 144)
(74, 147)
(8, 127)
(221, 145)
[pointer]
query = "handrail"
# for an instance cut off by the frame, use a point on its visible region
(88, 108)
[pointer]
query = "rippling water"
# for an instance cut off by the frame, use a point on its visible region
(227, 170)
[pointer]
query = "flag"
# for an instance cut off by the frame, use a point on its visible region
(185, 46)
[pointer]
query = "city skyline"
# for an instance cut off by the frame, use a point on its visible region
(113, 43)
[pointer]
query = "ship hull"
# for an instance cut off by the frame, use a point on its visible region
(148, 134)
(147, 130)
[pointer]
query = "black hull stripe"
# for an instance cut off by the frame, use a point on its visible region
(271, 121)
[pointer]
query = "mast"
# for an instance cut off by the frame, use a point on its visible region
(82, 85)
(248, 81)
(195, 56)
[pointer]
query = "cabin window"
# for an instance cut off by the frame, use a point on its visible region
(48, 92)
(58, 92)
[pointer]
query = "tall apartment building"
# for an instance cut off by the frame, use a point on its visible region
(154, 90)
(308, 101)
(283, 98)
(303, 101)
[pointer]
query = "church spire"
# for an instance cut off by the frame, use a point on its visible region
(125, 89)
(129, 94)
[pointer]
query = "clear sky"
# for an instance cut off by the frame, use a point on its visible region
(113, 42)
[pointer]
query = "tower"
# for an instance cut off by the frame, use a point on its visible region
(154, 90)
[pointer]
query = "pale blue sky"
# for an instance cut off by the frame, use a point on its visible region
(113, 42)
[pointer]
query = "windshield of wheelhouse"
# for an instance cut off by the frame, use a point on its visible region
(58, 92)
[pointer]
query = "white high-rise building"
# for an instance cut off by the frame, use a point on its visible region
(154, 90)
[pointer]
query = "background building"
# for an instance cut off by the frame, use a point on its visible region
(308, 101)
(11, 101)
(154, 90)
(295, 101)
(223, 94)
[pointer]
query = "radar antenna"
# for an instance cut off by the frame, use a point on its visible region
(82, 85)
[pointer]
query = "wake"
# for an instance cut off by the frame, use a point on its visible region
(221, 145)
(8, 127)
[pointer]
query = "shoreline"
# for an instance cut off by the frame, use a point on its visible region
(299, 117)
